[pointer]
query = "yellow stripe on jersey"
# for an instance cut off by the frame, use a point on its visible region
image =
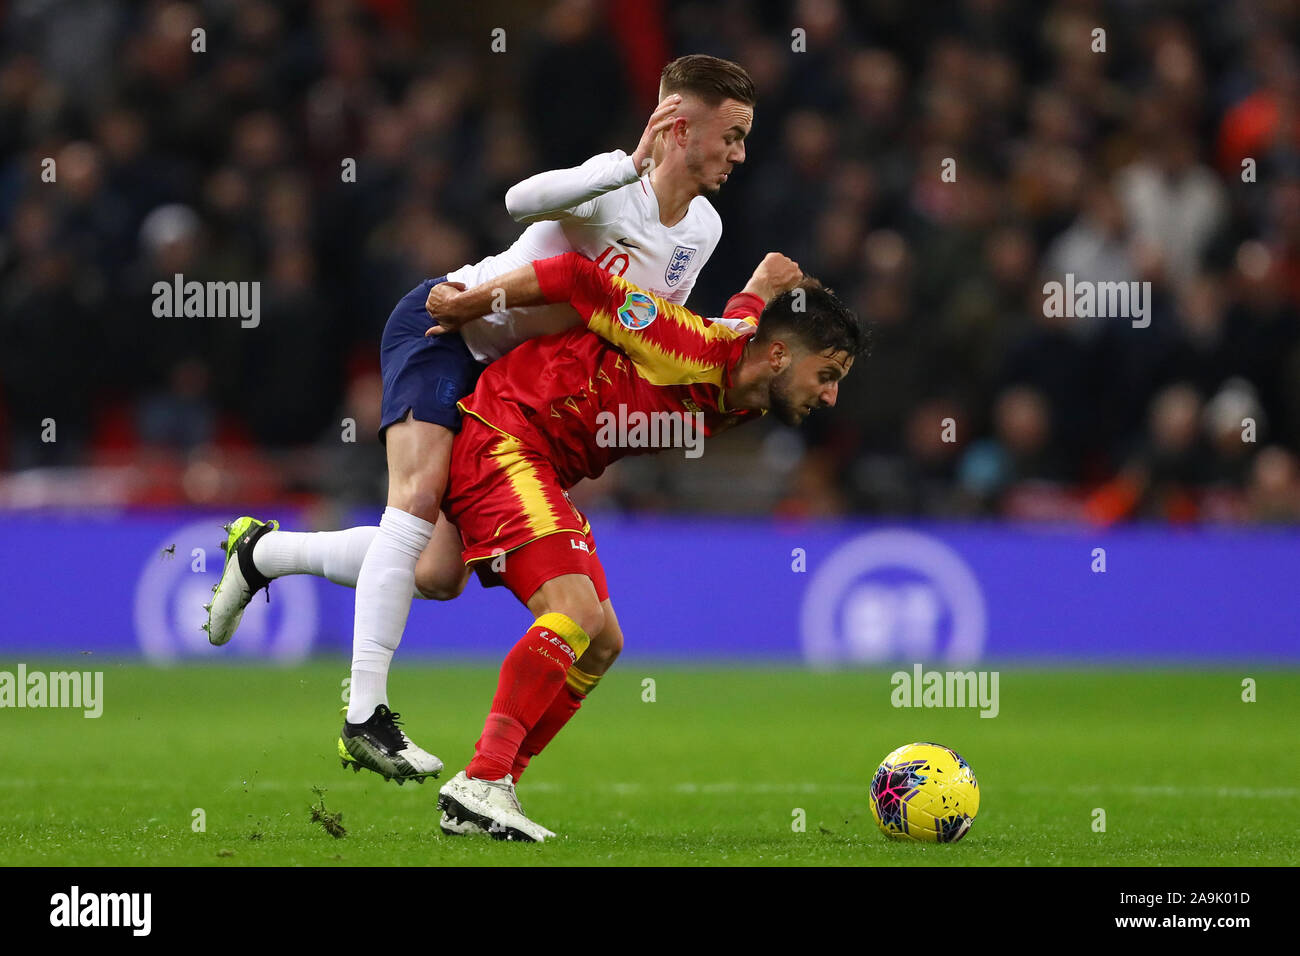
(505, 443)
(527, 486)
(668, 349)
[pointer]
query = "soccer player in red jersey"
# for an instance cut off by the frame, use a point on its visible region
(644, 216)
(540, 421)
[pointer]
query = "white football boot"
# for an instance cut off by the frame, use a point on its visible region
(452, 826)
(240, 579)
(381, 745)
(514, 799)
(491, 805)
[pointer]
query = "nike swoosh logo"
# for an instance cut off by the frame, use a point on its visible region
(625, 241)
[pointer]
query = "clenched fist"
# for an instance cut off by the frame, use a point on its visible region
(775, 275)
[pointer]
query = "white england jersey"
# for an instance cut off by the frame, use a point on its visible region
(603, 211)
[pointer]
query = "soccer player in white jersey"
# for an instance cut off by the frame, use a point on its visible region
(643, 217)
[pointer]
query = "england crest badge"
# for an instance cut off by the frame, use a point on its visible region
(678, 263)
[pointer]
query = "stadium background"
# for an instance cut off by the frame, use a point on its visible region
(862, 537)
(1099, 534)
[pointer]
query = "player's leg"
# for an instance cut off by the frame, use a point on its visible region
(333, 555)
(482, 798)
(517, 523)
(579, 682)
(418, 456)
(566, 609)
(423, 379)
(418, 453)
(337, 556)
(569, 600)
(440, 574)
(257, 553)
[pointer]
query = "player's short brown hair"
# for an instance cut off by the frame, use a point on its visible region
(711, 79)
(816, 318)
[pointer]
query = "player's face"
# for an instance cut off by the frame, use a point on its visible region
(716, 142)
(810, 381)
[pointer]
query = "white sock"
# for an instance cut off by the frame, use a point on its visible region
(384, 589)
(370, 687)
(336, 555)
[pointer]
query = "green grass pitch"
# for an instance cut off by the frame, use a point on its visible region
(713, 772)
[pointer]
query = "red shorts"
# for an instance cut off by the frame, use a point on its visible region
(517, 524)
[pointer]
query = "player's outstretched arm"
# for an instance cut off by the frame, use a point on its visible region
(670, 344)
(452, 306)
(567, 193)
(569, 277)
(564, 278)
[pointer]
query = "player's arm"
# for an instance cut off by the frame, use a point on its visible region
(597, 296)
(564, 278)
(775, 275)
(571, 193)
(670, 344)
(616, 310)
(452, 306)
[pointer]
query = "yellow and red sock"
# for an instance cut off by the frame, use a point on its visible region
(531, 677)
(577, 685)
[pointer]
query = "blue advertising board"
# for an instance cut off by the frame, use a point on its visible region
(707, 590)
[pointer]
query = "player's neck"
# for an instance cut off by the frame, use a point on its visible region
(673, 194)
(748, 389)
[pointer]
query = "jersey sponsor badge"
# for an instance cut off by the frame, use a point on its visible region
(637, 311)
(678, 264)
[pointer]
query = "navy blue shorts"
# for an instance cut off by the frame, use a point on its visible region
(423, 375)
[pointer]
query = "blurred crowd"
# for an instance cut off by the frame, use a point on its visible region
(1165, 149)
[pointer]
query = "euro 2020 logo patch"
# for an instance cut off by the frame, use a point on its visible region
(678, 263)
(638, 311)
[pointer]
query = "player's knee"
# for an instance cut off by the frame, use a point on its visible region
(441, 584)
(418, 495)
(602, 653)
(588, 615)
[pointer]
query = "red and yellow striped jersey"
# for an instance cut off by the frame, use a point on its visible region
(578, 398)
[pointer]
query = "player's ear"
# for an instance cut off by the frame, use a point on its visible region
(680, 130)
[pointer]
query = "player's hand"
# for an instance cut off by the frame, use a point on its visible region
(661, 119)
(775, 275)
(442, 308)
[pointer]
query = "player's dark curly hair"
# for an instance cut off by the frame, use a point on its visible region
(812, 314)
(711, 79)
